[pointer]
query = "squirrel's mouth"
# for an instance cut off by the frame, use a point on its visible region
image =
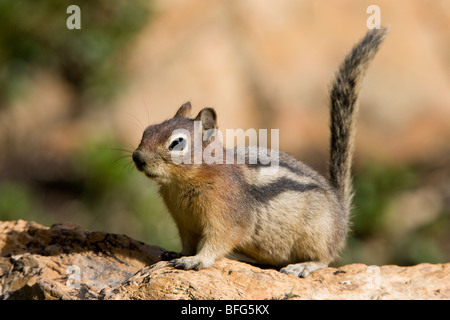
(150, 175)
(141, 164)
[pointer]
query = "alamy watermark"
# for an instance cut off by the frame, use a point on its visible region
(74, 20)
(372, 282)
(374, 279)
(374, 20)
(188, 149)
(74, 278)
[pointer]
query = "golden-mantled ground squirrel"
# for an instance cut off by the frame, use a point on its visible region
(293, 219)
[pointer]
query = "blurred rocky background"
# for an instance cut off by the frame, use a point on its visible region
(74, 103)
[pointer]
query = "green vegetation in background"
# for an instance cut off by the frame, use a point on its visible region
(34, 36)
(18, 201)
(427, 244)
(376, 188)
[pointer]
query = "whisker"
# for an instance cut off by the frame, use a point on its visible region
(146, 109)
(127, 168)
(121, 150)
(127, 158)
(136, 120)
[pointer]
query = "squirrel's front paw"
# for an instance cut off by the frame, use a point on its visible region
(189, 263)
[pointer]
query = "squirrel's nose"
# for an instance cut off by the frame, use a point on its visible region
(138, 159)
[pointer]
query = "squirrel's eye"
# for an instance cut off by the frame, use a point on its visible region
(179, 143)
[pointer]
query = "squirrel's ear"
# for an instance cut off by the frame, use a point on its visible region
(184, 111)
(208, 118)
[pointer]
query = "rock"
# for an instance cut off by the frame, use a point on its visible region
(65, 261)
(68, 262)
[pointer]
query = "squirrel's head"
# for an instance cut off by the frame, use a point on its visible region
(170, 150)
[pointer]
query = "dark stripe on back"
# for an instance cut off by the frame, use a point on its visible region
(264, 194)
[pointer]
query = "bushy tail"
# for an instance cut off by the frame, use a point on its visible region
(344, 106)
